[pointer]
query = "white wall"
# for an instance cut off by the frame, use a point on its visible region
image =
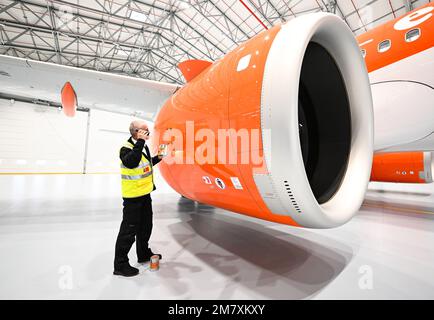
(40, 139)
(108, 132)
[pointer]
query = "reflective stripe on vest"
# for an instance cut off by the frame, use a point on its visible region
(140, 176)
(141, 165)
(138, 181)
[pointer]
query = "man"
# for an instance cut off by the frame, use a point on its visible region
(137, 185)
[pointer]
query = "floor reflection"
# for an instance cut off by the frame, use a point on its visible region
(259, 258)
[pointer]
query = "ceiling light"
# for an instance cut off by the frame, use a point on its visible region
(182, 5)
(135, 15)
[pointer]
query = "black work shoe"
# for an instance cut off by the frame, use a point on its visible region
(147, 258)
(126, 271)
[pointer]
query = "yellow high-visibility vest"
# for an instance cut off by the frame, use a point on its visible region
(139, 181)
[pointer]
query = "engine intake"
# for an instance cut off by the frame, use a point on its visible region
(317, 123)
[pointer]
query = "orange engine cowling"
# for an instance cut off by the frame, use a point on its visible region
(300, 96)
(406, 167)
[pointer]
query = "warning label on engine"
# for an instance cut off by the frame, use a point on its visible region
(236, 182)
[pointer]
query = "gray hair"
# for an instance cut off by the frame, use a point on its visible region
(135, 124)
(132, 128)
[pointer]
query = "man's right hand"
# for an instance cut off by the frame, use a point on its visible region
(141, 134)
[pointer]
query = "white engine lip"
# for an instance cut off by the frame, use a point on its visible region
(428, 165)
(283, 152)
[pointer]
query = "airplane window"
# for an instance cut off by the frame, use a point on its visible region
(363, 53)
(384, 46)
(412, 35)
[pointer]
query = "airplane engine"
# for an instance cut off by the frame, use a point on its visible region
(403, 167)
(303, 87)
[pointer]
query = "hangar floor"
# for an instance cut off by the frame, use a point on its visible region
(57, 235)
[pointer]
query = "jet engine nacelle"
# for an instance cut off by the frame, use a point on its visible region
(404, 167)
(300, 93)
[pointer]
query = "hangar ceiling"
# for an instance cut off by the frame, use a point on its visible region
(148, 38)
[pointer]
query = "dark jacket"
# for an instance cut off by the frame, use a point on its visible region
(131, 157)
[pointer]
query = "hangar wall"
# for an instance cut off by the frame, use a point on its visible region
(107, 133)
(41, 139)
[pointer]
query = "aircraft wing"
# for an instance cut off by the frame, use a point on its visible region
(34, 80)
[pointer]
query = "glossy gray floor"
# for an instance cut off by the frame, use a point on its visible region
(57, 235)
